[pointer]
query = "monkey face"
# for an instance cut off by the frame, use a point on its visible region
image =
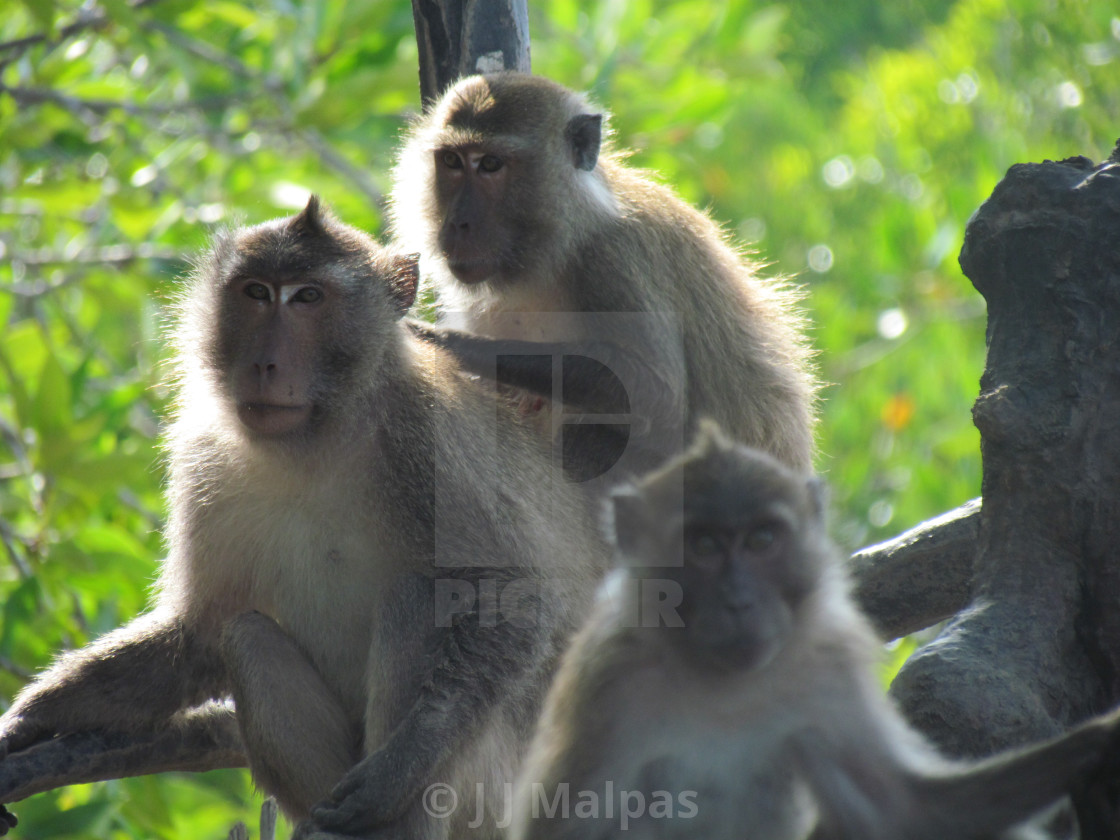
(301, 309)
(738, 534)
(499, 161)
(471, 183)
(276, 321)
(738, 600)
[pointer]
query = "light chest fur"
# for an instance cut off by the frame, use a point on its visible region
(690, 757)
(299, 545)
(533, 309)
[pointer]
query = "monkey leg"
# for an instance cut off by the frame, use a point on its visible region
(299, 740)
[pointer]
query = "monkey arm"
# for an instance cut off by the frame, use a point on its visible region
(639, 389)
(477, 667)
(132, 678)
(596, 376)
(965, 799)
(988, 796)
(981, 799)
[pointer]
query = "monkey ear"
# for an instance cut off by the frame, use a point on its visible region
(585, 134)
(626, 518)
(404, 280)
(311, 218)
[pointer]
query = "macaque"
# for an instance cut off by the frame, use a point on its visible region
(572, 276)
(370, 554)
(723, 687)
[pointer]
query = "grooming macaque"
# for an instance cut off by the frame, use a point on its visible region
(548, 249)
(723, 687)
(366, 551)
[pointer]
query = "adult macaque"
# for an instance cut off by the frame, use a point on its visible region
(557, 257)
(365, 550)
(723, 688)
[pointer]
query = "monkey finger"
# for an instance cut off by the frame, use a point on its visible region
(347, 817)
(346, 787)
(356, 785)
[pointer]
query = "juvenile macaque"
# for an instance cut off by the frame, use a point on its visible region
(575, 276)
(723, 688)
(365, 550)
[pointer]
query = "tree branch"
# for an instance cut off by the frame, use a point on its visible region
(920, 577)
(91, 18)
(204, 739)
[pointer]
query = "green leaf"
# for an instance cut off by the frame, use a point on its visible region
(53, 416)
(43, 12)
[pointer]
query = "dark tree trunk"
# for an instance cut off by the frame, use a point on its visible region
(1039, 647)
(463, 37)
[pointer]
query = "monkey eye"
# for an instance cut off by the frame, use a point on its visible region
(451, 160)
(308, 294)
(490, 163)
(703, 544)
(258, 291)
(761, 539)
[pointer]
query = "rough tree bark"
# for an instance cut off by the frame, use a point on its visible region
(1039, 646)
(463, 37)
(920, 577)
(207, 739)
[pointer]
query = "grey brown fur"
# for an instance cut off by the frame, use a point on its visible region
(758, 713)
(562, 227)
(328, 474)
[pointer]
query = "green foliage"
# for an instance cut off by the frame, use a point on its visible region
(847, 143)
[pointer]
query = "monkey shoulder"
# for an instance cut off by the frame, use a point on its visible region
(682, 262)
(653, 210)
(457, 449)
(836, 669)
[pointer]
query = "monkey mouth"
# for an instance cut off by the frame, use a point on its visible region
(472, 272)
(271, 419)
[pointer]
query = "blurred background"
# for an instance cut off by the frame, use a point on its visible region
(845, 143)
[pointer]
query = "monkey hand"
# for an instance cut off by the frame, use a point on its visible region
(363, 800)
